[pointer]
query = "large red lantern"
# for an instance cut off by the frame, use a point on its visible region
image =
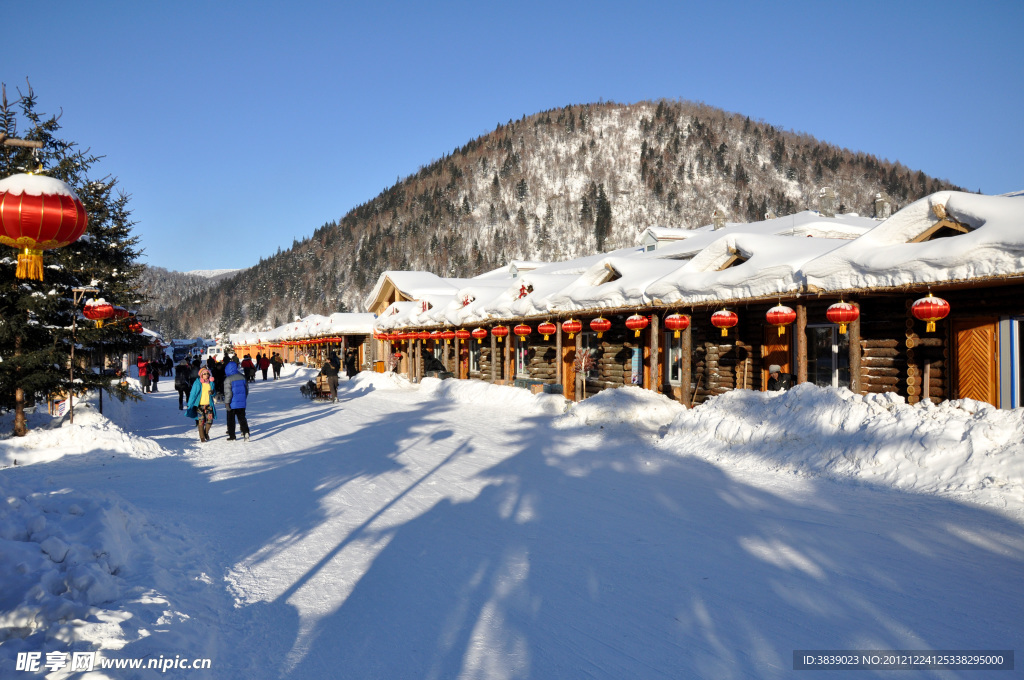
(98, 311)
(522, 330)
(499, 332)
(842, 313)
(600, 324)
(547, 328)
(447, 336)
(676, 323)
(781, 316)
(637, 323)
(38, 213)
(930, 309)
(422, 335)
(479, 333)
(437, 336)
(463, 334)
(572, 327)
(725, 320)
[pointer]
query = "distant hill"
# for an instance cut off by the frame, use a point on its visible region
(551, 186)
(166, 289)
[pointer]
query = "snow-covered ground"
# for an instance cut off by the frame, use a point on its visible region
(463, 530)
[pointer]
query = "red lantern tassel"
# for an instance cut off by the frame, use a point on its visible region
(30, 264)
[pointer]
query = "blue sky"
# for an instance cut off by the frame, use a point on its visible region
(238, 127)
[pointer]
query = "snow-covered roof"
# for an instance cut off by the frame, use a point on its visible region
(779, 256)
(312, 326)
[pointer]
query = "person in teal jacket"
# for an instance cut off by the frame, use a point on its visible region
(200, 404)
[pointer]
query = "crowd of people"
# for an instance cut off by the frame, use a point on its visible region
(202, 385)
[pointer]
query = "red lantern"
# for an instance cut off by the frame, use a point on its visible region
(930, 309)
(479, 333)
(600, 324)
(447, 336)
(522, 330)
(436, 336)
(135, 326)
(422, 335)
(98, 311)
(637, 323)
(842, 313)
(38, 213)
(725, 320)
(781, 316)
(463, 334)
(120, 312)
(677, 322)
(572, 327)
(499, 332)
(547, 328)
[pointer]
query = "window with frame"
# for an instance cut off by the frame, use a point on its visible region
(522, 351)
(474, 355)
(828, 356)
(589, 343)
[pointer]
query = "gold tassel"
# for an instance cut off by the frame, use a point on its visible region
(30, 264)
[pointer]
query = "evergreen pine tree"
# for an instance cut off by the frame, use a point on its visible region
(36, 316)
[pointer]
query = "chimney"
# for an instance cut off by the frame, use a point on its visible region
(718, 219)
(827, 202)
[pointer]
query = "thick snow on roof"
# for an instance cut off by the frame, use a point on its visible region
(994, 246)
(415, 285)
(785, 255)
(312, 326)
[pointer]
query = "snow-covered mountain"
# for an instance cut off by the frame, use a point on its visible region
(552, 186)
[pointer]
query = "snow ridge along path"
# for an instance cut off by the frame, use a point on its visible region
(463, 530)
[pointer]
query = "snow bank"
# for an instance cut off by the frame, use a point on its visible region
(53, 438)
(962, 448)
(64, 558)
(478, 392)
(628, 404)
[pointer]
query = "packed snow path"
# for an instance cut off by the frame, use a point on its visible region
(435, 532)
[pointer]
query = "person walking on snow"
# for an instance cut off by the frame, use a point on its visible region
(182, 383)
(330, 371)
(143, 374)
(264, 365)
(276, 362)
(200, 404)
(236, 392)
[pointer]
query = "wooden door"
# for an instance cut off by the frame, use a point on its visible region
(568, 373)
(976, 370)
(776, 350)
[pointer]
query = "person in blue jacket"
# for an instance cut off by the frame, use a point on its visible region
(200, 404)
(236, 390)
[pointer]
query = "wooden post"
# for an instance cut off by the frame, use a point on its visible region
(655, 364)
(685, 373)
(494, 359)
(579, 377)
(801, 343)
(508, 370)
(418, 367)
(558, 355)
(853, 330)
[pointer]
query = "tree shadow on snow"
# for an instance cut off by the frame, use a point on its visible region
(619, 561)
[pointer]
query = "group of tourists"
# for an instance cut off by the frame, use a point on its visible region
(207, 384)
(150, 371)
(264, 363)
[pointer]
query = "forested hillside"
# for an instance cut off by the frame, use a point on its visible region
(550, 186)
